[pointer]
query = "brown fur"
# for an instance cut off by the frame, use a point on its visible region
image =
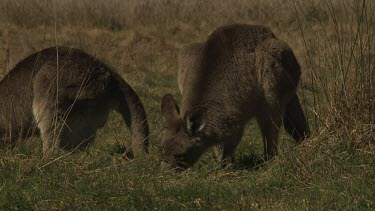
(240, 72)
(66, 95)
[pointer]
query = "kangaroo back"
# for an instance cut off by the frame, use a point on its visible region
(189, 59)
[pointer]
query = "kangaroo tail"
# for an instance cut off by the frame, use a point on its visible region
(295, 122)
(134, 115)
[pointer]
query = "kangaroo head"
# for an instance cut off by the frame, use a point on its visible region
(182, 144)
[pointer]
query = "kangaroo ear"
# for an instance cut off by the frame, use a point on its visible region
(170, 110)
(196, 121)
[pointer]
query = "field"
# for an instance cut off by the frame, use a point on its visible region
(334, 42)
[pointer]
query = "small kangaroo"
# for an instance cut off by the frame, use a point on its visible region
(66, 95)
(239, 72)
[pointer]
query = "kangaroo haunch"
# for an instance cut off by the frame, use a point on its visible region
(66, 95)
(240, 72)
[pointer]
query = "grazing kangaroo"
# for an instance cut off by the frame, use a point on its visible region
(240, 72)
(66, 95)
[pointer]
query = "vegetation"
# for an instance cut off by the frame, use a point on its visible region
(335, 169)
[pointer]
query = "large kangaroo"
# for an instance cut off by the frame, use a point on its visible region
(240, 72)
(66, 95)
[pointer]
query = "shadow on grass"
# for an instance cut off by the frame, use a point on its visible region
(248, 162)
(121, 149)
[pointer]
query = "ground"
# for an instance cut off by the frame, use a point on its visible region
(334, 169)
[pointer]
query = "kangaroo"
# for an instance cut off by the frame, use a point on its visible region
(239, 72)
(65, 95)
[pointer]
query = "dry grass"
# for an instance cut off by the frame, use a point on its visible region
(334, 41)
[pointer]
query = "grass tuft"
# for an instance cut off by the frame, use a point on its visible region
(334, 42)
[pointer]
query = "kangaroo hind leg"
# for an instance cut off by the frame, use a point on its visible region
(71, 128)
(81, 124)
(46, 121)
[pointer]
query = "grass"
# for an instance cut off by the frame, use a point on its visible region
(334, 169)
(323, 177)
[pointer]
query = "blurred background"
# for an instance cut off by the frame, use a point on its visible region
(333, 40)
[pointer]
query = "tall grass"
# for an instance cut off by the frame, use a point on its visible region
(340, 59)
(333, 41)
(116, 14)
